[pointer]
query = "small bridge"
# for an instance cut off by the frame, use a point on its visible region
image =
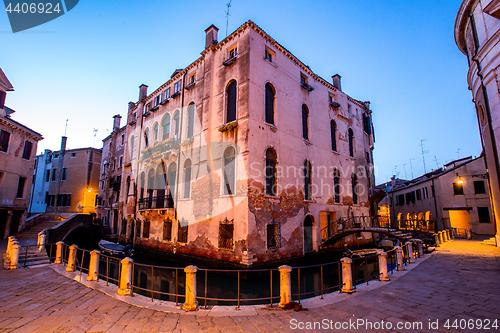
(61, 231)
(343, 227)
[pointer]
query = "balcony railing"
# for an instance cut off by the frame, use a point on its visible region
(157, 202)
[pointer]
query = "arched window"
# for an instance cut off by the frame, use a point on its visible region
(143, 184)
(187, 179)
(351, 142)
(176, 124)
(307, 180)
(165, 123)
(231, 102)
(128, 189)
(354, 182)
(151, 186)
(333, 133)
(172, 171)
(270, 173)
(160, 185)
(190, 120)
(305, 120)
(146, 137)
(131, 149)
(229, 171)
(336, 185)
(269, 104)
(155, 132)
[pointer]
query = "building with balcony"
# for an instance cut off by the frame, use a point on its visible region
(66, 181)
(477, 35)
(244, 155)
(455, 196)
(17, 149)
(109, 206)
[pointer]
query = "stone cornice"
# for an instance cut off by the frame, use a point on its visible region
(15, 125)
(460, 24)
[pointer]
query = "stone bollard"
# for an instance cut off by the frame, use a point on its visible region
(441, 240)
(399, 258)
(382, 266)
(190, 304)
(14, 256)
(59, 253)
(453, 231)
(285, 285)
(72, 258)
(420, 247)
(41, 240)
(436, 239)
(469, 233)
(409, 251)
(94, 266)
(347, 275)
(9, 244)
(126, 277)
(448, 234)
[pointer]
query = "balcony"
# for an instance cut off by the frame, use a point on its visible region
(229, 61)
(307, 87)
(175, 94)
(157, 202)
(189, 86)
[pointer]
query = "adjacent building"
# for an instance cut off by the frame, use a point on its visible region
(455, 196)
(245, 155)
(477, 32)
(109, 205)
(18, 145)
(66, 181)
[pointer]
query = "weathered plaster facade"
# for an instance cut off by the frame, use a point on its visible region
(247, 102)
(109, 206)
(18, 145)
(477, 35)
(66, 181)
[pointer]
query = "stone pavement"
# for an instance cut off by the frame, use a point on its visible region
(460, 281)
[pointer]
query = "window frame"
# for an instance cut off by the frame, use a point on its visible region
(6, 148)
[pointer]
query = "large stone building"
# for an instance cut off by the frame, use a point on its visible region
(254, 150)
(17, 147)
(66, 181)
(455, 196)
(109, 206)
(477, 35)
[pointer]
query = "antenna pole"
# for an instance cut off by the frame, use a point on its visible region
(66, 127)
(423, 152)
(436, 160)
(458, 152)
(227, 16)
(95, 133)
(411, 167)
(404, 164)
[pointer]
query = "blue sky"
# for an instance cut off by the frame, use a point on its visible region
(401, 56)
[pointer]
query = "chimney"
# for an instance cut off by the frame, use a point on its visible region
(143, 92)
(131, 105)
(336, 81)
(116, 122)
(211, 33)
(63, 143)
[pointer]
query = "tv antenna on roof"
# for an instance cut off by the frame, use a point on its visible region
(95, 133)
(423, 152)
(436, 160)
(404, 164)
(66, 127)
(458, 152)
(227, 15)
(411, 167)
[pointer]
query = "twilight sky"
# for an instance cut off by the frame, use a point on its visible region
(86, 65)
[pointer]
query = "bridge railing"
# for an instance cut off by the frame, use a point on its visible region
(226, 287)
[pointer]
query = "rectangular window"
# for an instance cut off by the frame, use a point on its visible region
(177, 87)
(269, 55)
(458, 189)
(232, 52)
(182, 232)
(53, 178)
(20, 187)
(73, 155)
(432, 191)
(167, 230)
(303, 79)
(123, 140)
(64, 173)
(484, 214)
(27, 150)
(145, 229)
(4, 141)
(479, 187)
(167, 94)
(419, 194)
(47, 175)
(425, 193)
(273, 236)
(226, 231)
(192, 78)
(121, 161)
(123, 230)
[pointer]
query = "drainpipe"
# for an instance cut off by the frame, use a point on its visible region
(435, 203)
(488, 111)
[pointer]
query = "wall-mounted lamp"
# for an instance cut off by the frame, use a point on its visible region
(460, 180)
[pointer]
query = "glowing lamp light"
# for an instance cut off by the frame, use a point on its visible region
(460, 181)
